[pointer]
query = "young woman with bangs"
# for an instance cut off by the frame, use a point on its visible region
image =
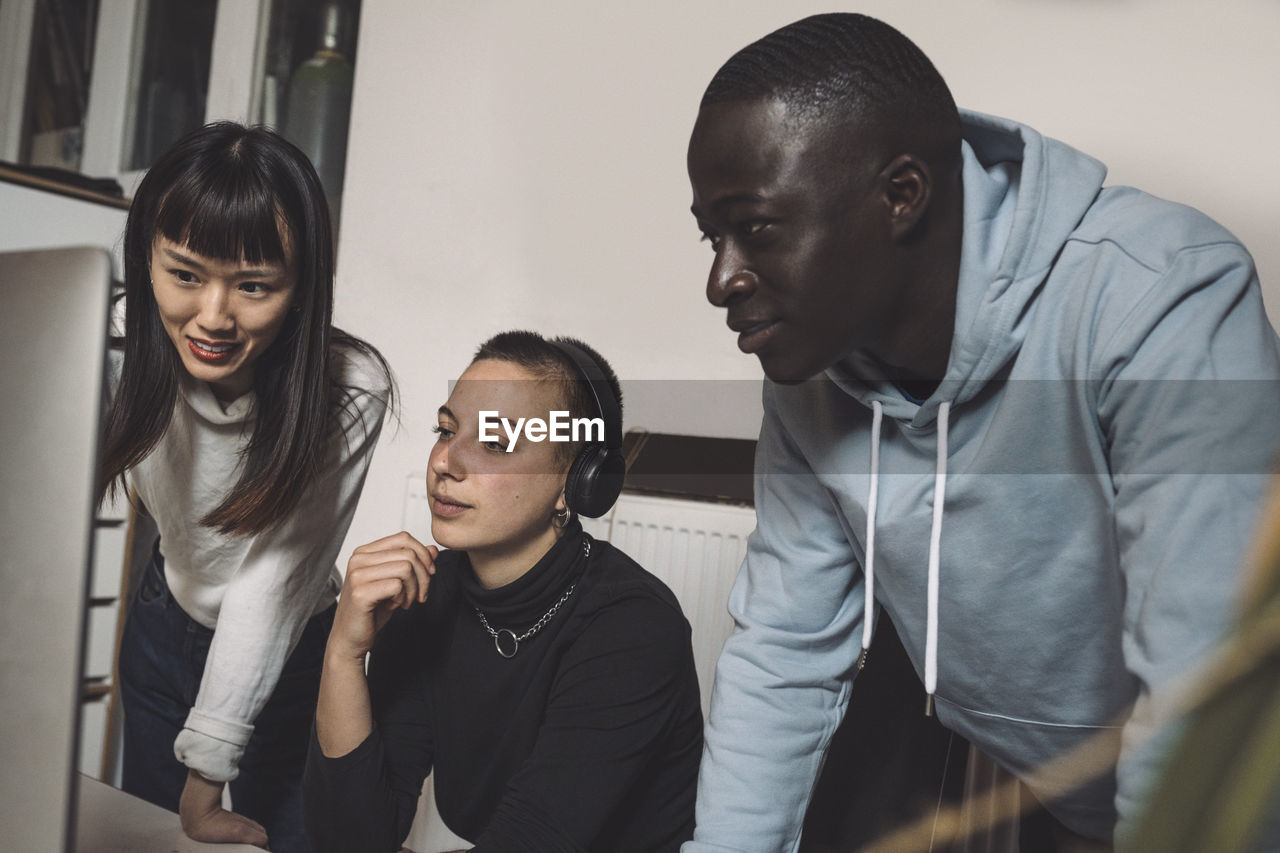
(242, 421)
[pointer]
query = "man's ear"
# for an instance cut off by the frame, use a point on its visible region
(907, 184)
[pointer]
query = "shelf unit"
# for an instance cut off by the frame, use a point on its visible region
(108, 584)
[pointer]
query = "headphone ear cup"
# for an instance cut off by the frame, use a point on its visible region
(595, 480)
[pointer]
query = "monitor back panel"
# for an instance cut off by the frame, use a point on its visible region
(53, 327)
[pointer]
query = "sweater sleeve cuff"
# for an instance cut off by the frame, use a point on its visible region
(212, 746)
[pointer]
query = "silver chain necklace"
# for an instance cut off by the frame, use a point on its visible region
(505, 638)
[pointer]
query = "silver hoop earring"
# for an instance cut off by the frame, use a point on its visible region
(560, 518)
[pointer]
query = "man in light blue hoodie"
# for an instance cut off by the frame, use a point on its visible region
(1029, 417)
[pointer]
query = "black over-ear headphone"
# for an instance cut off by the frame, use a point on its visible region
(595, 478)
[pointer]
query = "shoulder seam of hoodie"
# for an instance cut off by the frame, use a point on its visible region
(1161, 271)
(1161, 276)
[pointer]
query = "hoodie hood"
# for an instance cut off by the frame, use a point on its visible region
(1013, 230)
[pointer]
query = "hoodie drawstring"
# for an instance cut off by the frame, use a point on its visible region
(869, 607)
(935, 542)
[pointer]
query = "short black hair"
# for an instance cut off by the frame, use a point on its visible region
(543, 359)
(838, 67)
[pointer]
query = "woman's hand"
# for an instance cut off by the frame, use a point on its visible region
(393, 572)
(204, 818)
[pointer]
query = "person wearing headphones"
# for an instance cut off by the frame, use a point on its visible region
(545, 677)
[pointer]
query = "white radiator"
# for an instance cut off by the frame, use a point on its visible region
(694, 547)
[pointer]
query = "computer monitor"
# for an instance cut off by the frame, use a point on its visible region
(54, 307)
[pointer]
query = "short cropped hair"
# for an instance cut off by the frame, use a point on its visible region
(537, 355)
(839, 67)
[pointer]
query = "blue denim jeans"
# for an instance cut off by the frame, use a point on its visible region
(162, 657)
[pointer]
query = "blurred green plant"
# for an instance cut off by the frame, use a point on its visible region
(1218, 791)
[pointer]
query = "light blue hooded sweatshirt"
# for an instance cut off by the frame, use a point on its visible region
(1082, 488)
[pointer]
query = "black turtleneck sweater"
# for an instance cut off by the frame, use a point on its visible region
(588, 739)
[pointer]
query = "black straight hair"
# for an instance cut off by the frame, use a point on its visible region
(235, 193)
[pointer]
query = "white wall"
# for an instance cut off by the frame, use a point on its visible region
(36, 219)
(522, 164)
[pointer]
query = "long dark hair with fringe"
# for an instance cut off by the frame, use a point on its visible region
(236, 193)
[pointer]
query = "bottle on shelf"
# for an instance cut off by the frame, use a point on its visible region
(319, 106)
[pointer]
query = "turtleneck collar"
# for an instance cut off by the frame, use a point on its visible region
(528, 597)
(201, 399)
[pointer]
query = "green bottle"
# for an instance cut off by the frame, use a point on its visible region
(319, 108)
